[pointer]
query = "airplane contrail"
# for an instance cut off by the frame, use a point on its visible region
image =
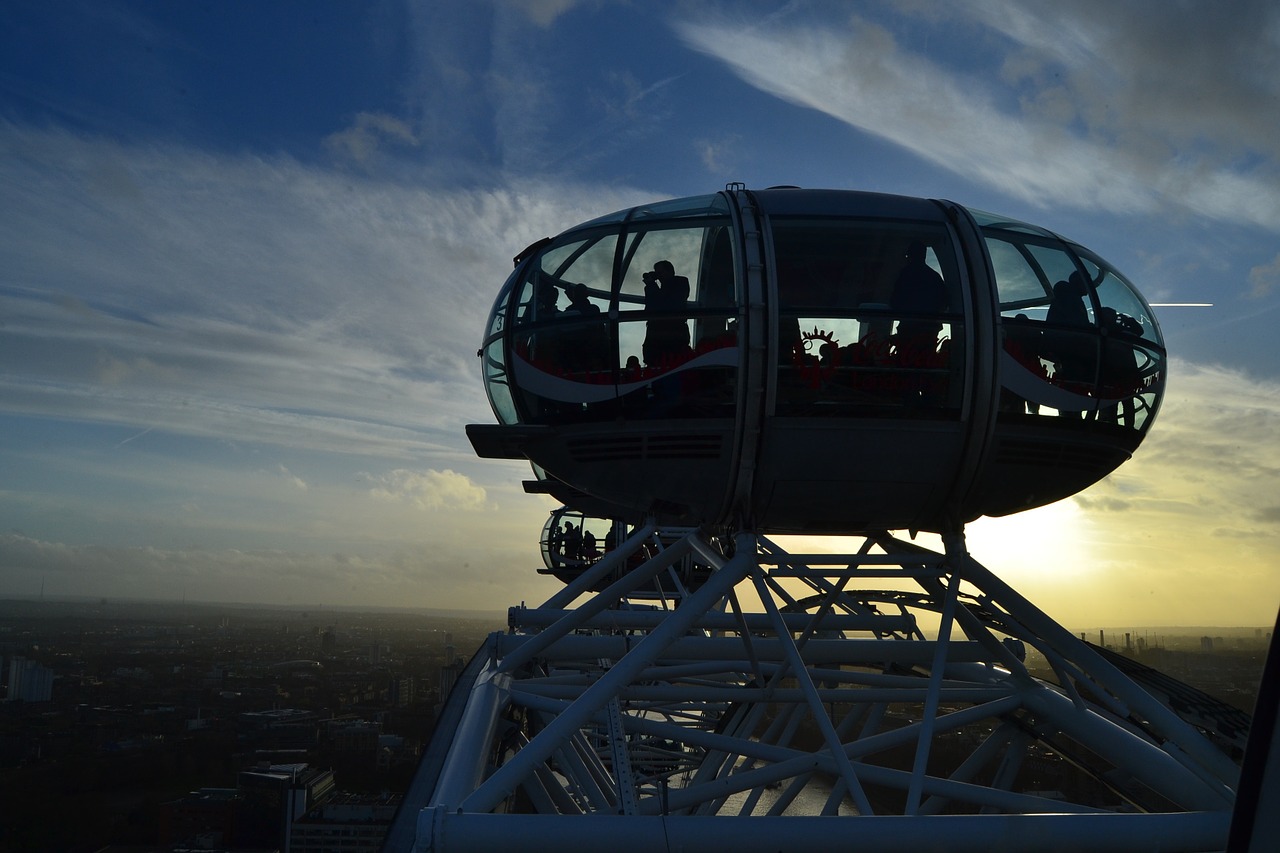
(132, 437)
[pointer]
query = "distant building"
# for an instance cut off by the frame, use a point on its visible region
(403, 691)
(208, 814)
(353, 737)
(280, 728)
(394, 750)
(278, 794)
(449, 676)
(29, 681)
(350, 823)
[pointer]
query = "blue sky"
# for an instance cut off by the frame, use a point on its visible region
(248, 250)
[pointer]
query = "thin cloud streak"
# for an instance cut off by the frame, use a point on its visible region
(265, 301)
(859, 73)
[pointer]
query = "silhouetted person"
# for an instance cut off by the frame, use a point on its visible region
(586, 346)
(545, 345)
(1067, 307)
(545, 297)
(1073, 351)
(665, 338)
(572, 541)
(919, 290)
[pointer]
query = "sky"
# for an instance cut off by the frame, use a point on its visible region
(247, 251)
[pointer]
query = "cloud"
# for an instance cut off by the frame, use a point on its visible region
(362, 140)
(1105, 504)
(431, 490)
(169, 330)
(424, 576)
(1184, 74)
(1200, 514)
(718, 154)
(260, 299)
(543, 12)
(1212, 450)
(289, 477)
(111, 370)
(1264, 279)
(1079, 117)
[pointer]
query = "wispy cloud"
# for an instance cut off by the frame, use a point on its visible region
(1264, 279)
(367, 134)
(543, 12)
(257, 299)
(253, 334)
(1079, 117)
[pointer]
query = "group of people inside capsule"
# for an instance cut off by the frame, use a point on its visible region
(918, 300)
(585, 349)
(918, 297)
(1082, 362)
(575, 543)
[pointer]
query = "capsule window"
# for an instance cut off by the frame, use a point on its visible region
(868, 319)
(1072, 335)
(637, 323)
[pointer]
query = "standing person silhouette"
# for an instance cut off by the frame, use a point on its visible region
(1074, 353)
(919, 290)
(665, 337)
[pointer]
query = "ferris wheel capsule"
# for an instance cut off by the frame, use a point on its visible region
(818, 361)
(573, 541)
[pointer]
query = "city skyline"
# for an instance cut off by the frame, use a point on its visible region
(249, 255)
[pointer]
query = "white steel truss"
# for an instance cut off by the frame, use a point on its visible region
(895, 698)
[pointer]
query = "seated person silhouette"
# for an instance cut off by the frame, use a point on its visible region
(586, 346)
(544, 345)
(666, 338)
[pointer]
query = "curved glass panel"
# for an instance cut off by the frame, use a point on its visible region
(571, 540)
(1130, 383)
(695, 206)
(1114, 292)
(1079, 343)
(869, 319)
(497, 383)
(637, 323)
(701, 205)
(493, 365)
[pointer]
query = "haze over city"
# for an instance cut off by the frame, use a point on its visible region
(249, 252)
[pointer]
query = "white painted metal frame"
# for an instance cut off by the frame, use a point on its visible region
(900, 714)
